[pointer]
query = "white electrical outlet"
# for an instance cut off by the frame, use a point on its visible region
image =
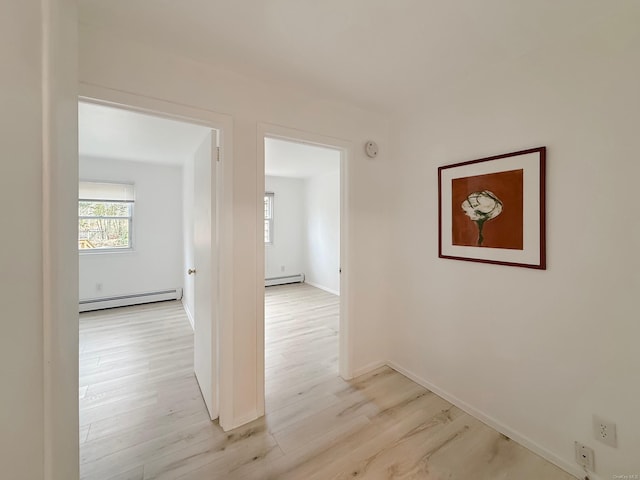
(282, 268)
(585, 456)
(98, 287)
(605, 431)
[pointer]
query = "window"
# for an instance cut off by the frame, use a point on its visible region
(105, 216)
(268, 218)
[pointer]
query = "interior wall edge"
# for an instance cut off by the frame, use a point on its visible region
(189, 314)
(322, 287)
(370, 367)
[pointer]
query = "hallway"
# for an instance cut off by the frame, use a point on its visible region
(142, 416)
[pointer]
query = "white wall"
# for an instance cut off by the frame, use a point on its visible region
(285, 255)
(537, 352)
(306, 229)
(111, 61)
(38, 258)
(22, 415)
(156, 261)
(540, 370)
(322, 231)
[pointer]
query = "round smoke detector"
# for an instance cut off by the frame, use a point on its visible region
(371, 148)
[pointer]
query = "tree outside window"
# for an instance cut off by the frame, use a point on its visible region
(268, 218)
(105, 216)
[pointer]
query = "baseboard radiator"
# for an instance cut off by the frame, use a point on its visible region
(127, 300)
(270, 282)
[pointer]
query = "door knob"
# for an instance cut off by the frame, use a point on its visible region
(191, 270)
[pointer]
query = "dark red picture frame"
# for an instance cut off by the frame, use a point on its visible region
(481, 207)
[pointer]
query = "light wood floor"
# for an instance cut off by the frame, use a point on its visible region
(142, 416)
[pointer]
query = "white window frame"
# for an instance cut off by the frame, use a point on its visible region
(108, 192)
(268, 217)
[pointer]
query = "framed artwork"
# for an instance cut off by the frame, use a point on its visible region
(492, 210)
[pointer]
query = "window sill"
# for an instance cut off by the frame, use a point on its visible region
(105, 251)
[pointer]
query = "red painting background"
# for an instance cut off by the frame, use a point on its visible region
(504, 231)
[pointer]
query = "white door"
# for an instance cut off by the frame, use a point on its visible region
(205, 275)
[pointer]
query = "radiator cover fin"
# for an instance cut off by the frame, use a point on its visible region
(272, 281)
(130, 299)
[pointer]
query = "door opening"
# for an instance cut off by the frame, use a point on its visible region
(140, 249)
(305, 318)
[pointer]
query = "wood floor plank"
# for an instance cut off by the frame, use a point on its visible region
(142, 415)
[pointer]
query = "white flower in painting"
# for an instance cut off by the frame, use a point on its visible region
(480, 207)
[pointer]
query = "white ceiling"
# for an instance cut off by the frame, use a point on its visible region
(380, 54)
(297, 160)
(119, 134)
(114, 133)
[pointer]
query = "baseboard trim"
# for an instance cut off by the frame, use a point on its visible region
(368, 368)
(572, 469)
(189, 315)
(240, 421)
(322, 287)
(284, 280)
(517, 437)
(127, 300)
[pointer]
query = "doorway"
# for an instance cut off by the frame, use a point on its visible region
(138, 173)
(223, 187)
(305, 249)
